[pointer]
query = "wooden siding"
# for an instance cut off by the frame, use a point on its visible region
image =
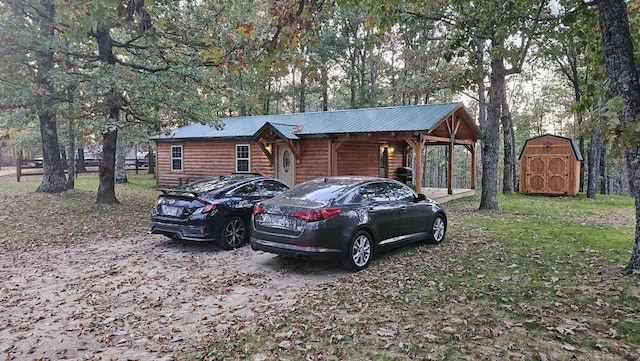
(202, 159)
(548, 166)
(357, 157)
(315, 160)
(361, 157)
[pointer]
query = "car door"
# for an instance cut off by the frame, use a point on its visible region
(242, 198)
(412, 215)
(270, 188)
(382, 217)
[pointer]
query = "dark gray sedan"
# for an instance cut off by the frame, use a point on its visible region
(346, 219)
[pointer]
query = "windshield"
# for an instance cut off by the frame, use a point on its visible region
(319, 190)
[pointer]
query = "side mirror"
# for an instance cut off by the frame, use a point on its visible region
(421, 197)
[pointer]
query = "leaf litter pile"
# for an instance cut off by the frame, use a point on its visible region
(86, 282)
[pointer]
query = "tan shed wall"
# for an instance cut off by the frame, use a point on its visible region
(548, 166)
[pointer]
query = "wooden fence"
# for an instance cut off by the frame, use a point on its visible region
(33, 167)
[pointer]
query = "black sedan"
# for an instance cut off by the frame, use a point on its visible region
(346, 219)
(214, 209)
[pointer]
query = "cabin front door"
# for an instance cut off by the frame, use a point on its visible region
(285, 165)
(383, 167)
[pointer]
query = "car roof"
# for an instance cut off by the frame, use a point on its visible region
(217, 184)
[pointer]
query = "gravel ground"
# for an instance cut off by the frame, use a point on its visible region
(143, 298)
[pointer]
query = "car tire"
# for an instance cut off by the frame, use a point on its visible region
(234, 233)
(360, 251)
(438, 229)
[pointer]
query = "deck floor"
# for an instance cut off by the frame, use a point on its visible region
(441, 195)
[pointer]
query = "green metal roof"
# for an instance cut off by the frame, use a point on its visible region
(300, 125)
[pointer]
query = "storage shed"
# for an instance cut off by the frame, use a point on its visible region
(550, 165)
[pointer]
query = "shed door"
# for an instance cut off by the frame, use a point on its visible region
(548, 174)
(285, 165)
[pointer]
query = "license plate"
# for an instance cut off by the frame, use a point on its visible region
(171, 211)
(275, 220)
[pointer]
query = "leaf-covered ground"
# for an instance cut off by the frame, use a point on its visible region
(86, 282)
(538, 280)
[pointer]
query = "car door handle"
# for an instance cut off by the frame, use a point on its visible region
(403, 208)
(372, 210)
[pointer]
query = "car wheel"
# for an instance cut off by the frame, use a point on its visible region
(438, 229)
(234, 233)
(360, 252)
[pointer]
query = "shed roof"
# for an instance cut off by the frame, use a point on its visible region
(299, 125)
(574, 145)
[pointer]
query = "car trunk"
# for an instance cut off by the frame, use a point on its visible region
(279, 218)
(178, 207)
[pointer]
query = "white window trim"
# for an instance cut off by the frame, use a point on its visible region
(173, 158)
(248, 159)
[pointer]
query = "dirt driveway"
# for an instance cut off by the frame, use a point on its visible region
(142, 298)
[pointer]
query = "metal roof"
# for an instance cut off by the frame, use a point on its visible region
(293, 126)
(574, 145)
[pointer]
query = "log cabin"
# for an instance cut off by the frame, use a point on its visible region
(302, 146)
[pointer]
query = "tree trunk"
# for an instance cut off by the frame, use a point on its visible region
(53, 178)
(242, 109)
(121, 158)
(71, 159)
(594, 164)
(625, 83)
(482, 101)
(303, 89)
(491, 138)
(106, 188)
(603, 171)
(152, 161)
(508, 140)
(324, 81)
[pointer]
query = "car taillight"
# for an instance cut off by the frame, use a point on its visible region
(257, 209)
(317, 215)
(208, 207)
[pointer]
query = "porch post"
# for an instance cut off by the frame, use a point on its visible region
(473, 166)
(450, 168)
(419, 146)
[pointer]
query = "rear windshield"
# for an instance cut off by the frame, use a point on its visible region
(318, 191)
(208, 185)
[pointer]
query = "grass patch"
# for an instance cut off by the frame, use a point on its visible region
(30, 219)
(538, 280)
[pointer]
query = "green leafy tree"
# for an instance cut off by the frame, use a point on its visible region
(27, 57)
(618, 49)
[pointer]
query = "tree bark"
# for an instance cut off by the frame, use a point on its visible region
(491, 138)
(53, 179)
(482, 101)
(594, 164)
(71, 159)
(624, 80)
(508, 140)
(121, 158)
(106, 188)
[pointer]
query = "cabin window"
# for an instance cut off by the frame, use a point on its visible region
(176, 157)
(242, 158)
